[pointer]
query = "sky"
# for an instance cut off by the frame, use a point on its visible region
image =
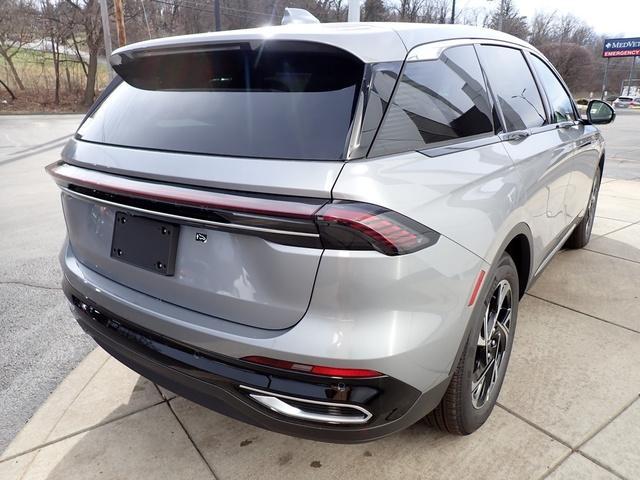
(610, 17)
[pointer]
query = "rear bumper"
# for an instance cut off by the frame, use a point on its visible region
(215, 381)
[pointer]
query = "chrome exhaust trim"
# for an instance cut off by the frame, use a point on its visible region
(284, 405)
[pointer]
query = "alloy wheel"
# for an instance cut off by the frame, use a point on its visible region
(492, 343)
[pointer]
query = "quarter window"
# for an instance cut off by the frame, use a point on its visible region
(436, 101)
(514, 87)
(561, 106)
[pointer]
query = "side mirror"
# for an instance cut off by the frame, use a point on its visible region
(600, 113)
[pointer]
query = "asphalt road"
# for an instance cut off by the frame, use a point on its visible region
(623, 145)
(40, 342)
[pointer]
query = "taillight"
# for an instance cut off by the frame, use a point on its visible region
(362, 226)
(313, 369)
(298, 221)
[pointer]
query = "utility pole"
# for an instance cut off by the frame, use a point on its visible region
(604, 80)
(453, 11)
(106, 31)
(216, 12)
(122, 36)
(354, 11)
(501, 15)
(633, 67)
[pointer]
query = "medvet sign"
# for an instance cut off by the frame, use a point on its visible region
(621, 47)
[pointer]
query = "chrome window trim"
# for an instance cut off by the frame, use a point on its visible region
(433, 50)
(465, 143)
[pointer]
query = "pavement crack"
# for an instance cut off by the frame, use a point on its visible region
(30, 285)
(582, 313)
(610, 254)
(195, 445)
(78, 432)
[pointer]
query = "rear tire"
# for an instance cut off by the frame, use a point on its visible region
(475, 384)
(582, 233)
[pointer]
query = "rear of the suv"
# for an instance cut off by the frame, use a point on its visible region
(323, 231)
(623, 102)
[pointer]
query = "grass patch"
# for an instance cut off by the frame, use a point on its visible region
(36, 71)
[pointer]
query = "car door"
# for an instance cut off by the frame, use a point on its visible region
(575, 135)
(539, 150)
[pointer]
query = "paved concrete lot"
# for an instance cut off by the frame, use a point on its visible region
(569, 408)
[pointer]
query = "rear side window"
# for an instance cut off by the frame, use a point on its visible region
(514, 87)
(561, 106)
(291, 100)
(436, 101)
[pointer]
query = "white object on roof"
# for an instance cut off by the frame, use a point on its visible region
(297, 15)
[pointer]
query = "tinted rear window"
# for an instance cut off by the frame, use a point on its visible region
(289, 100)
(436, 101)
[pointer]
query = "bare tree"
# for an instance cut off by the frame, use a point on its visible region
(374, 11)
(542, 28)
(573, 62)
(512, 22)
(409, 10)
(56, 28)
(16, 30)
(6, 87)
(435, 11)
(85, 15)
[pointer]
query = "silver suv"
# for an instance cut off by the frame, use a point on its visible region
(325, 230)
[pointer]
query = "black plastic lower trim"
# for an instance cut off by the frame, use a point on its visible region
(213, 381)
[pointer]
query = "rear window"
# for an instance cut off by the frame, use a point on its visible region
(625, 99)
(291, 100)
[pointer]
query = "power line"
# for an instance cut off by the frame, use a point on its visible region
(199, 7)
(184, 5)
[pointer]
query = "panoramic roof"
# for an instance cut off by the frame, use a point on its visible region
(371, 42)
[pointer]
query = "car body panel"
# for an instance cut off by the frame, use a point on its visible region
(237, 277)
(544, 167)
(306, 179)
(466, 196)
(589, 150)
(397, 320)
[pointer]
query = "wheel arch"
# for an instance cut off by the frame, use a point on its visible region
(518, 244)
(601, 162)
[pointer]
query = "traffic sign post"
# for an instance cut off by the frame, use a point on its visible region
(616, 48)
(633, 66)
(604, 80)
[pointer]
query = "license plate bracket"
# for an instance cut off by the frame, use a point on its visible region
(145, 243)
